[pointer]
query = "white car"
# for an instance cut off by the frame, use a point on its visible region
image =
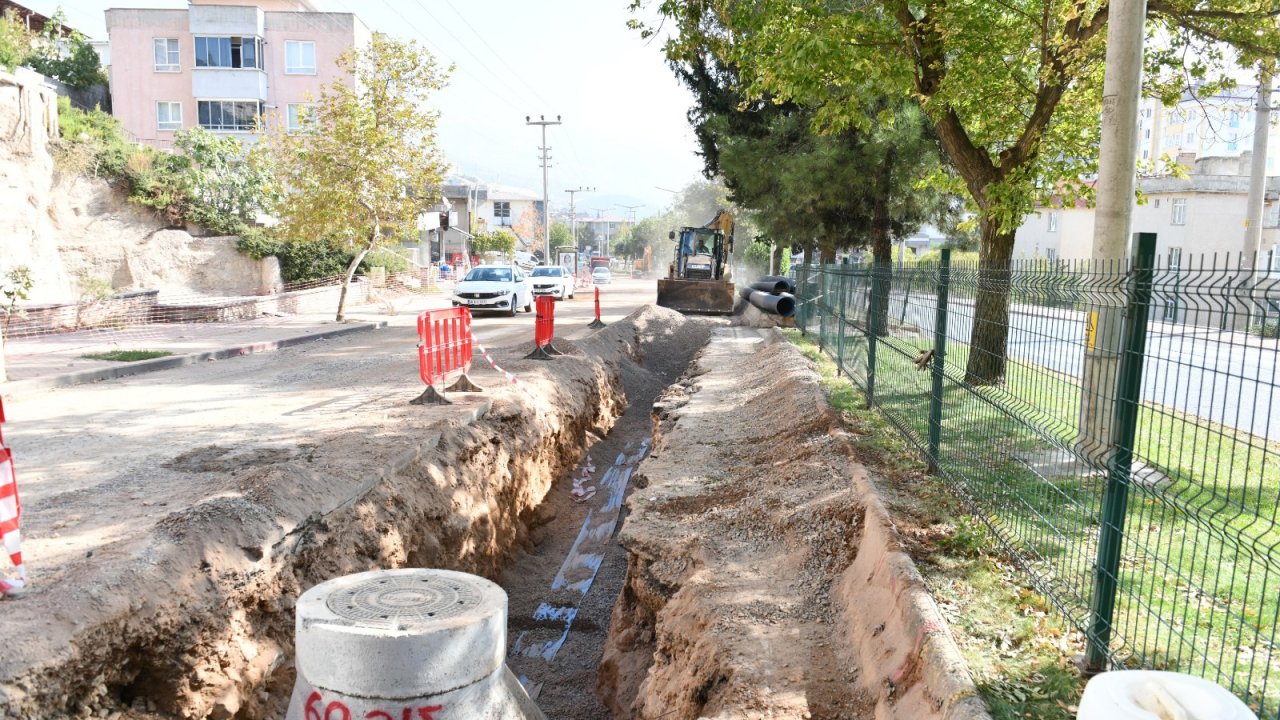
(552, 280)
(503, 288)
(601, 275)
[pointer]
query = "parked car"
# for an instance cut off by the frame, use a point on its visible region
(503, 288)
(601, 275)
(552, 280)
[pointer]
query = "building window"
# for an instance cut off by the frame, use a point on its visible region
(1051, 254)
(1175, 258)
(1146, 134)
(299, 116)
(168, 58)
(1191, 138)
(1233, 119)
(1179, 211)
(1156, 203)
(1232, 144)
(502, 211)
(299, 57)
(168, 115)
(229, 52)
(231, 115)
(1053, 222)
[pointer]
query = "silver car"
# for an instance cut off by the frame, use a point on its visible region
(552, 280)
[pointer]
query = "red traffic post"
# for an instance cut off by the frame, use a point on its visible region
(596, 323)
(444, 354)
(544, 329)
(10, 521)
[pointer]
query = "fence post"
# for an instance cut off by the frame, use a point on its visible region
(840, 323)
(1128, 399)
(939, 355)
(873, 326)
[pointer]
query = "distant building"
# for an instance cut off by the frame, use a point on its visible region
(1197, 126)
(223, 65)
(1201, 214)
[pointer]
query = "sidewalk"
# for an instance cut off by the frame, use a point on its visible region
(57, 360)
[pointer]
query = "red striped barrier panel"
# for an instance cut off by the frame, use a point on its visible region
(444, 353)
(544, 330)
(10, 519)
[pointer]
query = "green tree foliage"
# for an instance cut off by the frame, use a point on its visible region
(499, 241)
(1012, 89)
(586, 235)
(561, 235)
(368, 166)
(228, 184)
(15, 42)
(68, 58)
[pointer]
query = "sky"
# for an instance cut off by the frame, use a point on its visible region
(624, 130)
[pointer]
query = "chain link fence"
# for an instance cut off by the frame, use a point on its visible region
(1112, 424)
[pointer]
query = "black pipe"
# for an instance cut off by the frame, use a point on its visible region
(783, 304)
(771, 286)
(791, 284)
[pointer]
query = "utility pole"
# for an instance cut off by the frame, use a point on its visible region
(1258, 164)
(573, 217)
(545, 157)
(1121, 88)
(1116, 179)
(631, 209)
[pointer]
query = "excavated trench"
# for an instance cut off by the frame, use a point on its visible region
(735, 565)
(199, 621)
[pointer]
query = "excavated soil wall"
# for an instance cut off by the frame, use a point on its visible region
(764, 577)
(196, 619)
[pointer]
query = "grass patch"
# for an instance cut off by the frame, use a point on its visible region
(1016, 646)
(127, 355)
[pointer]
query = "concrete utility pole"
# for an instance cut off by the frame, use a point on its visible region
(1117, 168)
(545, 157)
(1258, 165)
(573, 217)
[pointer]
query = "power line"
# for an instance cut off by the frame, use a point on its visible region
(514, 72)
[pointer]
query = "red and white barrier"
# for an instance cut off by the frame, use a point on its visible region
(10, 518)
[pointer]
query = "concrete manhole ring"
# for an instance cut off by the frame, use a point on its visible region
(400, 598)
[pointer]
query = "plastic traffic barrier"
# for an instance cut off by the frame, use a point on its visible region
(444, 353)
(10, 519)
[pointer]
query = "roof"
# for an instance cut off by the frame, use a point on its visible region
(35, 21)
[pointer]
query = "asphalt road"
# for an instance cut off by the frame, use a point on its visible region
(1228, 378)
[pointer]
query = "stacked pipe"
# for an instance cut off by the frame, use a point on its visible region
(773, 294)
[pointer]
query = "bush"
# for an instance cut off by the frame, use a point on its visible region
(387, 258)
(300, 261)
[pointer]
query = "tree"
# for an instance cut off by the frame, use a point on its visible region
(586, 236)
(69, 58)
(1012, 89)
(229, 186)
(528, 228)
(561, 235)
(368, 164)
(500, 241)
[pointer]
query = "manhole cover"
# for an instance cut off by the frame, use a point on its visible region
(400, 598)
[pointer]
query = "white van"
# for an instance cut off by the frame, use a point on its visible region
(525, 260)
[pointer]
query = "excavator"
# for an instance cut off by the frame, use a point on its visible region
(698, 279)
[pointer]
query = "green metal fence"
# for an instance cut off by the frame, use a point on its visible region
(1127, 456)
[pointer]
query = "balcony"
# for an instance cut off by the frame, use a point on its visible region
(228, 83)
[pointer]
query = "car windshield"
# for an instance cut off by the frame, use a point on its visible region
(490, 274)
(601, 271)
(546, 272)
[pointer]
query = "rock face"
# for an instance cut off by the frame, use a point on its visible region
(68, 228)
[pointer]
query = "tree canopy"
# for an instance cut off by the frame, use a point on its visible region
(1012, 89)
(367, 166)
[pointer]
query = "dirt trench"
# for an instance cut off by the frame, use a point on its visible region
(765, 578)
(196, 619)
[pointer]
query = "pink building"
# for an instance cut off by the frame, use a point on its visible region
(222, 65)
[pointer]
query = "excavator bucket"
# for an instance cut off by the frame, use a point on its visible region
(697, 297)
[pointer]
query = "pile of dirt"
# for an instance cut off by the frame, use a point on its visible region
(758, 554)
(190, 614)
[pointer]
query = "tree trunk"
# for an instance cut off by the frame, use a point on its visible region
(989, 341)
(882, 247)
(346, 279)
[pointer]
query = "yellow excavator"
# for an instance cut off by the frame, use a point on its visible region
(698, 280)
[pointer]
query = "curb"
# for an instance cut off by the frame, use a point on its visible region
(168, 363)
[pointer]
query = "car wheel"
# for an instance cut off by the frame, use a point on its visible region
(528, 307)
(570, 293)
(513, 305)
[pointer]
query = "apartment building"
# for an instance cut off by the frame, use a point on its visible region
(225, 66)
